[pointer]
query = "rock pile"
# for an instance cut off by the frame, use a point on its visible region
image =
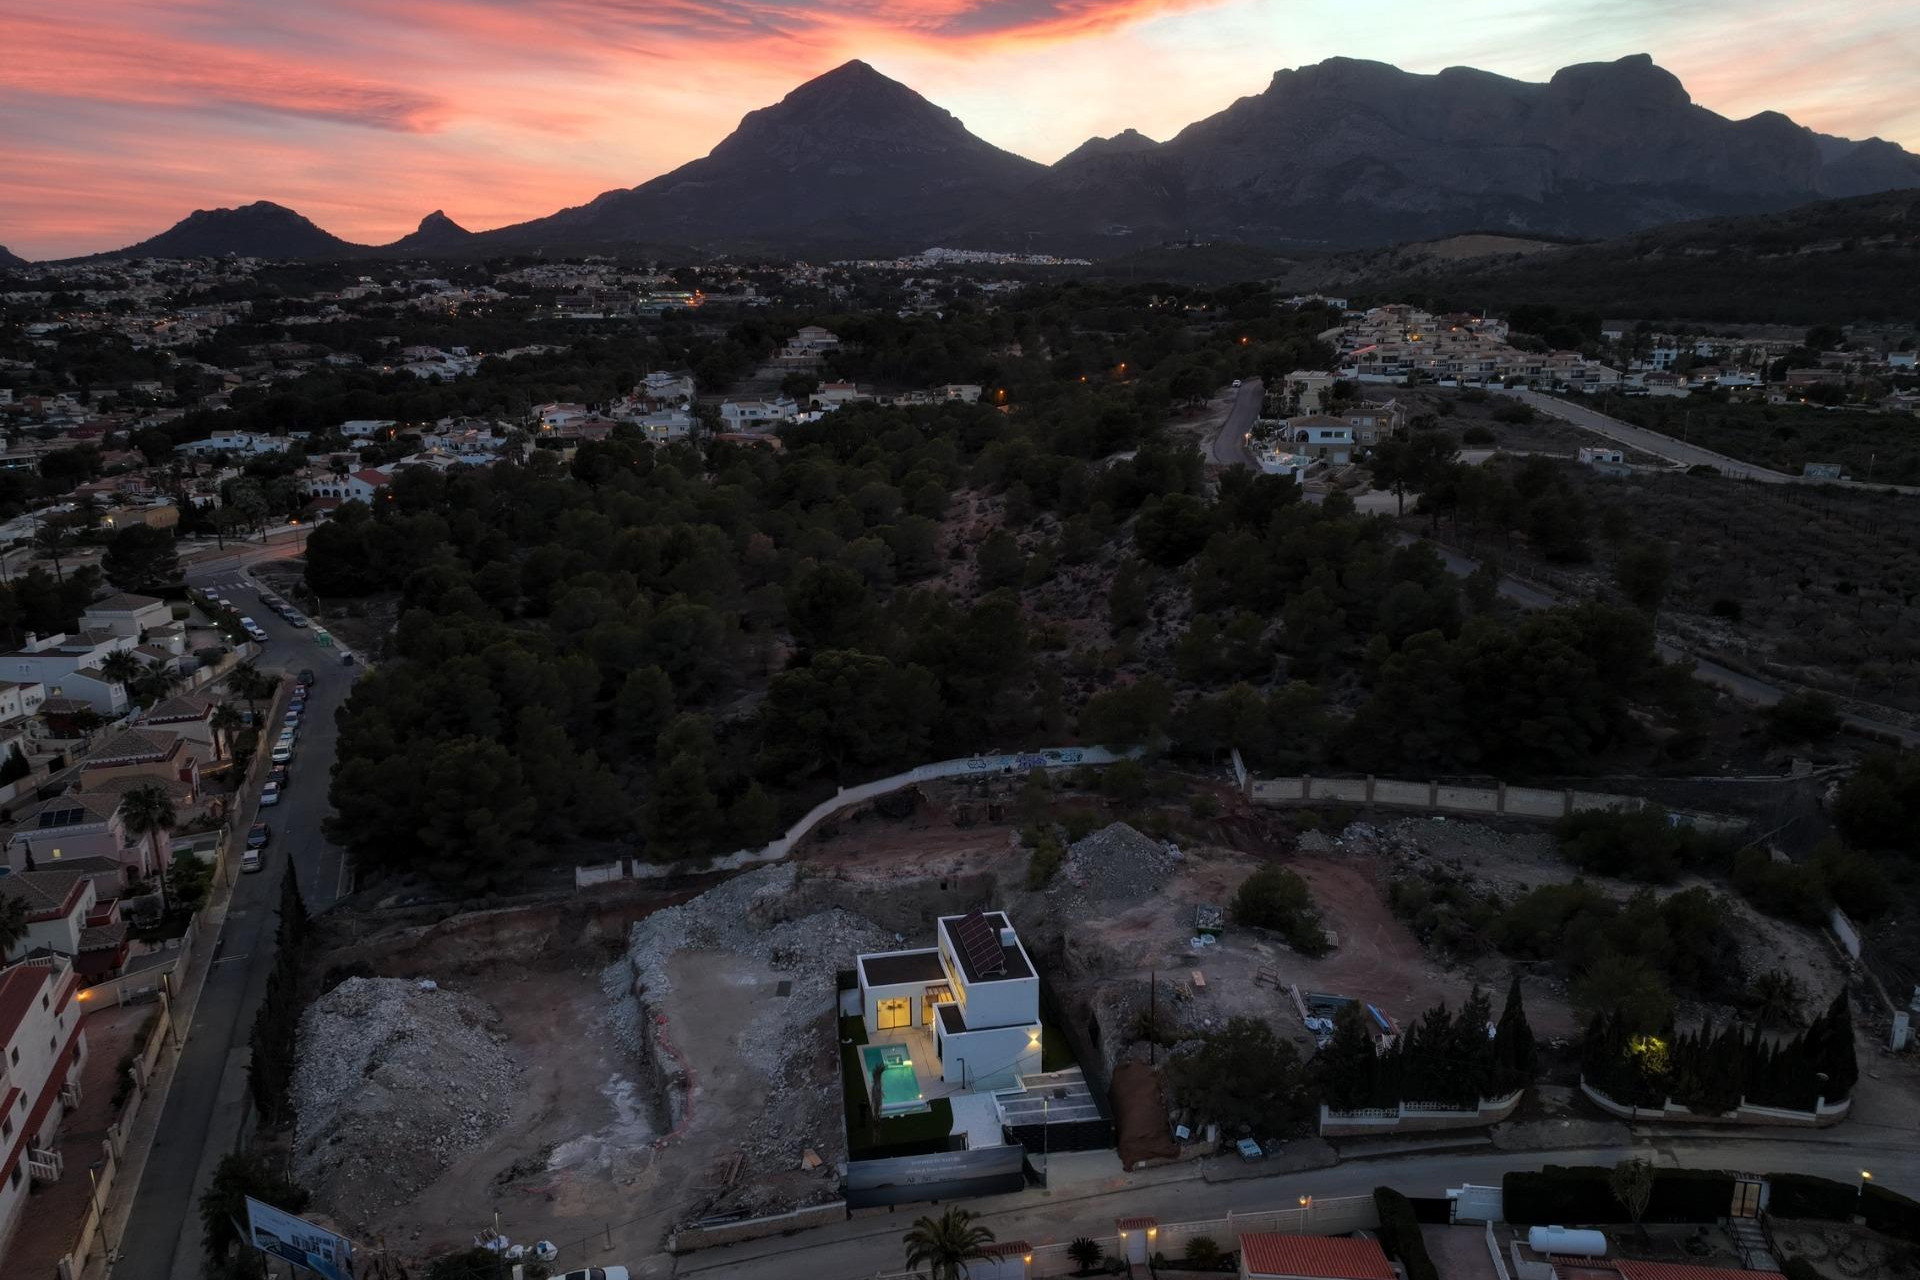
(789, 1043)
(395, 1080)
(1116, 864)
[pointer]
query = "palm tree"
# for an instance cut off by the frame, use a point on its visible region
(245, 680)
(53, 539)
(148, 811)
(225, 721)
(122, 667)
(13, 923)
(945, 1245)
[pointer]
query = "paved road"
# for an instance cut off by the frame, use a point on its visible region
(871, 1246)
(1228, 448)
(205, 1106)
(1660, 446)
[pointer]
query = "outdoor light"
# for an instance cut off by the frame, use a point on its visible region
(1865, 1176)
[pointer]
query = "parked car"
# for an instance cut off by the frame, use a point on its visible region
(258, 635)
(250, 860)
(280, 775)
(258, 834)
(270, 794)
(295, 620)
(292, 718)
(595, 1273)
(306, 677)
(283, 753)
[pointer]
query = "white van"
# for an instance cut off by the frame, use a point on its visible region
(250, 860)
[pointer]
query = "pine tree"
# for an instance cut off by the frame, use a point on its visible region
(1515, 1055)
(1346, 1068)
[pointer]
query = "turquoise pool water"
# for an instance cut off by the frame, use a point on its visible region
(899, 1087)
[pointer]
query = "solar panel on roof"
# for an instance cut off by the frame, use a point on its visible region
(61, 817)
(981, 943)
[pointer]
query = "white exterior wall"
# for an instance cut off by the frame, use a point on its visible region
(992, 1059)
(130, 623)
(62, 935)
(995, 1003)
(41, 1041)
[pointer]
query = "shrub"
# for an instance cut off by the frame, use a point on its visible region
(1580, 1194)
(1890, 1212)
(1642, 844)
(1400, 1234)
(1203, 1253)
(1803, 716)
(1085, 1252)
(1477, 436)
(1788, 890)
(1045, 859)
(1801, 1195)
(1276, 898)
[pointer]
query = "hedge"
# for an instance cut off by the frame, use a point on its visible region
(1801, 1195)
(1579, 1193)
(1400, 1234)
(1890, 1212)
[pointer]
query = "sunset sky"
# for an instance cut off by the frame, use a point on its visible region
(117, 117)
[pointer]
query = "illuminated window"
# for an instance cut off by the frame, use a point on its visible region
(893, 1014)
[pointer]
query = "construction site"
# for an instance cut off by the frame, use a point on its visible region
(644, 1059)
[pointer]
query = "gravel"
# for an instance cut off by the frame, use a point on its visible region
(787, 1041)
(395, 1080)
(1115, 864)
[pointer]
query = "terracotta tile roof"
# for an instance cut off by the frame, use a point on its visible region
(19, 986)
(1683, 1271)
(104, 937)
(1006, 1249)
(1134, 1224)
(48, 891)
(181, 707)
(1267, 1253)
(133, 744)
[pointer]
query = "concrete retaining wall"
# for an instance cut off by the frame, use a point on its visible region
(688, 1239)
(964, 767)
(1824, 1115)
(1498, 800)
(1415, 1118)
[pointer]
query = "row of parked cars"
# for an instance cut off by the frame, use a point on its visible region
(252, 857)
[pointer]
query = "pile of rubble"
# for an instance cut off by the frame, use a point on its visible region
(396, 1078)
(787, 1041)
(1116, 864)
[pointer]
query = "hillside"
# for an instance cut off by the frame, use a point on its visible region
(1832, 261)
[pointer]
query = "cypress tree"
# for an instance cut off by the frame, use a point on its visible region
(1515, 1055)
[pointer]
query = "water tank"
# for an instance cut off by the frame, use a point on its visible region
(1566, 1242)
(1007, 937)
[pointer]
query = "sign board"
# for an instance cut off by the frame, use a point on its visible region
(941, 1175)
(298, 1241)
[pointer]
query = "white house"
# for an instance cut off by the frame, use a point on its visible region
(363, 485)
(558, 414)
(227, 440)
(972, 999)
(69, 666)
(661, 385)
(365, 428)
(45, 1051)
(126, 614)
(1278, 462)
(1321, 437)
(744, 415)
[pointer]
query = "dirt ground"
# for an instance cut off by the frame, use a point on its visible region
(577, 1152)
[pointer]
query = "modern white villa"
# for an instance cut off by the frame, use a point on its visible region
(964, 1013)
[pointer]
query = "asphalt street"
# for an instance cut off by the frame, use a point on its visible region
(1228, 448)
(200, 1119)
(1660, 446)
(871, 1245)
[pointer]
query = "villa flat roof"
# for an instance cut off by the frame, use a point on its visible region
(893, 968)
(1017, 966)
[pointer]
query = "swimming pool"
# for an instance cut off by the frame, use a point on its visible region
(899, 1086)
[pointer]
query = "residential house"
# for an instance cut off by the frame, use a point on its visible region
(69, 666)
(967, 1007)
(1319, 436)
(1903, 361)
(664, 387)
(835, 394)
(72, 910)
(363, 485)
(19, 711)
(154, 515)
(663, 425)
(745, 415)
(146, 754)
(965, 392)
(807, 348)
(1279, 462)
(43, 1050)
(1272, 1255)
(188, 716)
(229, 440)
(366, 428)
(1591, 455)
(1373, 422)
(126, 614)
(77, 824)
(1307, 389)
(559, 414)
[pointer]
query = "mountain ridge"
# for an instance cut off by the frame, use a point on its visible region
(1344, 152)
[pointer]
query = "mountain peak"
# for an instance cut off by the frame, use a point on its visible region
(1635, 80)
(1126, 142)
(438, 221)
(10, 259)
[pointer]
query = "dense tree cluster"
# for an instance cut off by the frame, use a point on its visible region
(1448, 1058)
(1711, 1071)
